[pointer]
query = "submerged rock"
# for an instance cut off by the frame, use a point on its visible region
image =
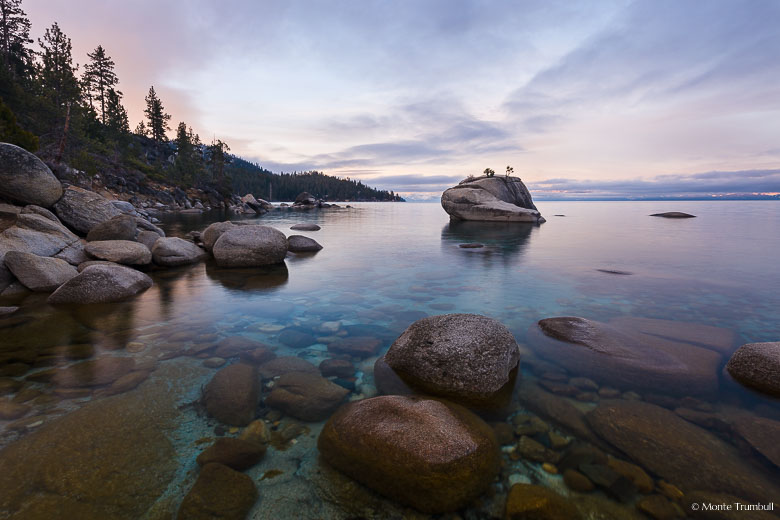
(250, 246)
(431, 455)
(102, 284)
(302, 244)
(529, 501)
(761, 433)
(671, 447)
(757, 365)
(466, 357)
(306, 396)
(501, 199)
(81, 209)
(219, 493)
(285, 364)
(39, 273)
(238, 454)
(625, 358)
(172, 252)
(25, 178)
(232, 394)
(120, 251)
(95, 372)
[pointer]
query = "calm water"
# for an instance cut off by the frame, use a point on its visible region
(384, 266)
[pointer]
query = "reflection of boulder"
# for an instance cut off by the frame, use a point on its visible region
(495, 199)
(249, 279)
(496, 237)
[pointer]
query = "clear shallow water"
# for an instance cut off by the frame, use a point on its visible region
(384, 266)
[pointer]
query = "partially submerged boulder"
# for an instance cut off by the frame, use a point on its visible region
(626, 357)
(212, 233)
(250, 246)
(673, 214)
(500, 199)
(101, 284)
(757, 365)
(81, 209)
(428, 454)
(465, 357)
(302, 244)
(172, 251)
(26, 179)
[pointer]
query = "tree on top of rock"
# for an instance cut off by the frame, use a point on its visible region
(489, 172)
(98, 78)
(158, 119)
(14, 37)
(509, 171)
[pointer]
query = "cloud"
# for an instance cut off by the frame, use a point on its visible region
(715, 183)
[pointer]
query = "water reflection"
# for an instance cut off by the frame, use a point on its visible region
(265, 279)
(502, 240)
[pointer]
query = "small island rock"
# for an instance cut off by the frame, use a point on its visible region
(500, 199)
(302, 244)
(172, 251)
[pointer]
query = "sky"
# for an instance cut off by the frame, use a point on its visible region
(610, 98)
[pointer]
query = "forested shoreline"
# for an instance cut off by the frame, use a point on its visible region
(73, 115)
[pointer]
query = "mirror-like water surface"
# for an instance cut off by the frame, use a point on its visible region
(383, 267)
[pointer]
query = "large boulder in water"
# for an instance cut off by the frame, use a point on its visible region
(500, 199)
(757, 365)
(682, 453)
(172, 251)
(465, 357)
(212, 233)
(302, 244)
(628, 358)
(305, 199)
(24, 178)
(250, 246)
(429, 454)
(82, 210)
(39, 273)
(102, 284)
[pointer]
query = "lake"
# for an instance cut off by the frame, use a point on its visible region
(382, 267)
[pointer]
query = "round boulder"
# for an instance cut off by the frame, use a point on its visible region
(306, 396)
(101, 284)
(428, 454)
(305, 227)
(757, 365)
(172, 251)
(219, 492)
(302, 244)
(212, 233)
(25, 178)
(250, 246)
(120, 251)
(466, 357)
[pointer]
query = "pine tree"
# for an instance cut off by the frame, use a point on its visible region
(115, 115)
(158, 119)
(99, 77)
(141, 129)
(217, 159)
(14, 37)
(189, 164)
(56, 71)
